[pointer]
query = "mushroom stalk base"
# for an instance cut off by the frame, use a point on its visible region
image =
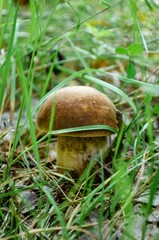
(74, 153)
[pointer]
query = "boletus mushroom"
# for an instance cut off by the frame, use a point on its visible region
(77, 106)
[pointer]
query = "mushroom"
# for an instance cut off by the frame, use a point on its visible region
(77, 106)
(22, 2)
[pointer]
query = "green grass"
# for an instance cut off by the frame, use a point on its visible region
(112, 47)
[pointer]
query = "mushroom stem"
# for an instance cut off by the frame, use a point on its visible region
(74, 153)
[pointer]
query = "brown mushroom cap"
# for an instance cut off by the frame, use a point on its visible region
(78, 106)
(22, 2)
